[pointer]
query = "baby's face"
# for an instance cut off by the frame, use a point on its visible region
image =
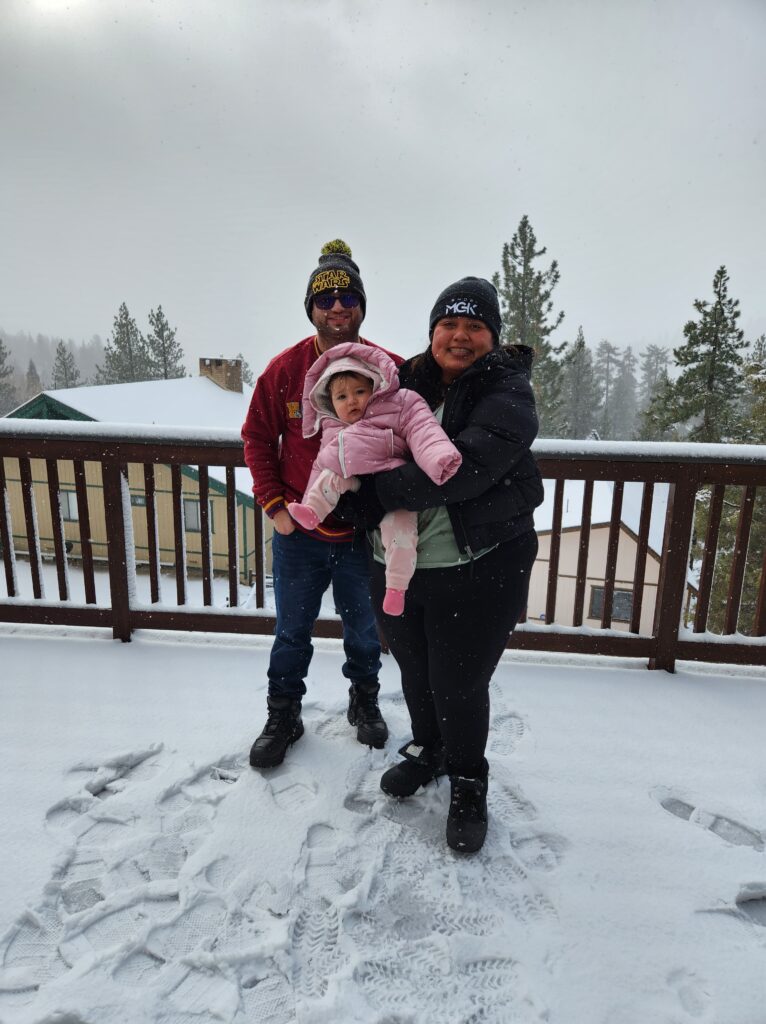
(349, 396)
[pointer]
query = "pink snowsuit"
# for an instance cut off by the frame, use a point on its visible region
(397, 425)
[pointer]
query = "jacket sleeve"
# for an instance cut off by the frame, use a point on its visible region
(261, 432)
(431, 449)
(499, 431)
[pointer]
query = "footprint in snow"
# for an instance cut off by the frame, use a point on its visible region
(270, 998)
(115, 888)
(105, 779)
(506, 801)
(728, 829)
(692, 993)
(29, 955)
(334, 727)
(209, 784)
(751, 903)
(363, 785)
(506, 731)
(541, 851)
(292, 788)
(477, 991)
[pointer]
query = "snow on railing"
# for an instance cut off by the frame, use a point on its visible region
(612, 576)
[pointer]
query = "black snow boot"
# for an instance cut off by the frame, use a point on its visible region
(364, 713)
(283, 727)
(467, 819)
(420, 766)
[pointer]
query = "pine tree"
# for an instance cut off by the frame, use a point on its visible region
(655, 422)
(126, 357)
(528, 319)
(605, 369)
(165, 353)
(754, 398)
(8, 395)
(706, 397)
(247, 373)
(579, 394)
(65, 373)
(32, 385)
(654, 365)
(752, 429)
(87, 357)
(625, 398)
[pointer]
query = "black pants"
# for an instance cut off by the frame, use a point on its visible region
(448, 642)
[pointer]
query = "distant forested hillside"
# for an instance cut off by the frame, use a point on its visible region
(32, 359)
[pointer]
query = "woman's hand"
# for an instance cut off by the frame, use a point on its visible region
(283, 522)
(363, 509)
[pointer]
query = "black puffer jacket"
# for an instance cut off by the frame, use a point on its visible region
(489, 413)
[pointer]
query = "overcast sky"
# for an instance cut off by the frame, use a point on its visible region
(197, 153)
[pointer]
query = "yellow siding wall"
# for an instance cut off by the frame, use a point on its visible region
(164, 512)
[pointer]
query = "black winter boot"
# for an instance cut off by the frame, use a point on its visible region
(283, 727)
(364, 713)
(467, 819)
(421, 766)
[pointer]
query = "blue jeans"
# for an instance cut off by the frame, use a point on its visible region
(303, 568)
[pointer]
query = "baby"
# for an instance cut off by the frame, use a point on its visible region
(369, 424)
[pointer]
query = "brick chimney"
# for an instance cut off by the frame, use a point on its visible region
(226, 373)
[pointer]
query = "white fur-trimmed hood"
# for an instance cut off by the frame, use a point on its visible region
(350, 357)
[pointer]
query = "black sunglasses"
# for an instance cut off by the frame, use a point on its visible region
(349, 300)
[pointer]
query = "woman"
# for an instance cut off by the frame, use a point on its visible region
(475, 553)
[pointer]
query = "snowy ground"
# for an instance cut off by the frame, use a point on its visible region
(150, 876)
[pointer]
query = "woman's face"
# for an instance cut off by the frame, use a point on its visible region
(457, 342)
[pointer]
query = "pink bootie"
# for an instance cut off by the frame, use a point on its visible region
(393, 602)
(304, 515)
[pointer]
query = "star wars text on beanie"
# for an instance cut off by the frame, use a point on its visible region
(336, 272)
(474, 297)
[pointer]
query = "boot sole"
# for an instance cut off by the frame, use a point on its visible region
(272, 761)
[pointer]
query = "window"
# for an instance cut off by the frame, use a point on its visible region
(192, 515)
(138, 500)
(622, 604)
(69, 506)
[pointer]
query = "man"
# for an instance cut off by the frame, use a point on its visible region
(305, 562)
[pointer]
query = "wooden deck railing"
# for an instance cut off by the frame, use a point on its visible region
(715, 476)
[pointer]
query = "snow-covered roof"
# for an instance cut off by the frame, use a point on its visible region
(601, 509)
(185, 401)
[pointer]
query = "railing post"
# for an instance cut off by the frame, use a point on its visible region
(679, 522)
(117, 550)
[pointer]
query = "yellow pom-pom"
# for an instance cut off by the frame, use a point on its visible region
(337, 245)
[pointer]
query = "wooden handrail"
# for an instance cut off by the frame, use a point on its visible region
(685, 469)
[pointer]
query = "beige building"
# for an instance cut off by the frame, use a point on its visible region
(601, 512)
(215, 399)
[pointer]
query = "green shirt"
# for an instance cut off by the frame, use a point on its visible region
(437, 547)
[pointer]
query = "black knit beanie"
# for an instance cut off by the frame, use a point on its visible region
(470, 296)
(336, 270)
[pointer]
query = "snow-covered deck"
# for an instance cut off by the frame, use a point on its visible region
(150, 875)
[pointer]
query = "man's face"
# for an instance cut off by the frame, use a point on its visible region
(336, 324)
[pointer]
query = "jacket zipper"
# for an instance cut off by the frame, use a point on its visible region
(341, 455)
(458, 515)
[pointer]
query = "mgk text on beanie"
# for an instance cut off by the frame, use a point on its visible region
(474, 297)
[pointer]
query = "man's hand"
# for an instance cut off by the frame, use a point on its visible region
(283, 522)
